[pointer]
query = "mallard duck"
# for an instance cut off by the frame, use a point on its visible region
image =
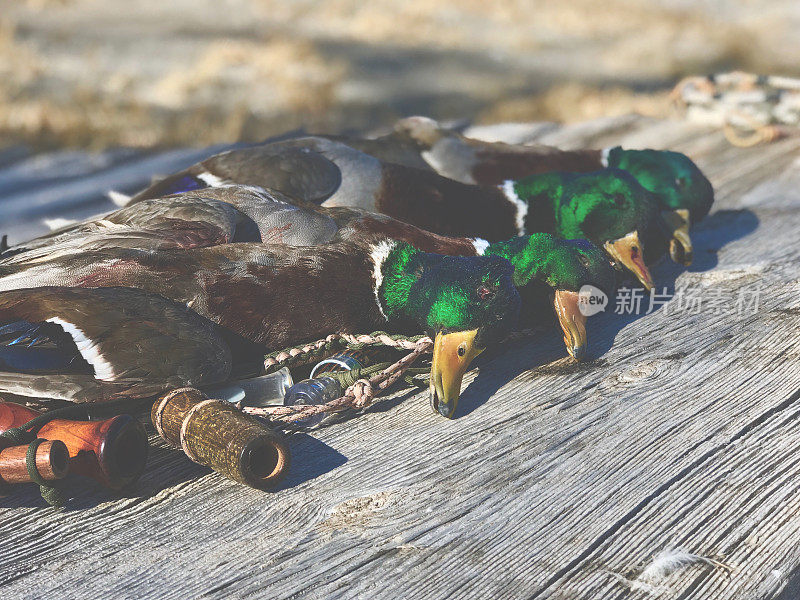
(342, 176)
(683, 194)
(549, 269)
(681, 190)
(608, 207)
(272, 296)
(545, 266)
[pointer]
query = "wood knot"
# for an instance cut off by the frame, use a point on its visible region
(640, 371)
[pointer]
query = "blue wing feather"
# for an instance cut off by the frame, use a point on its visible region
(48, 348)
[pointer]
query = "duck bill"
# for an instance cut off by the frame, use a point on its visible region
(676, 225)
(572, 321)
(627, 251)
(452, 354)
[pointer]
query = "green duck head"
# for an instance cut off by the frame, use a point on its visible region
(683, 194)
(557, 269)
(607, 207)
(464, 303)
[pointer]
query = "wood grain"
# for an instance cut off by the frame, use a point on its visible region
(556, 480)
(52, 462)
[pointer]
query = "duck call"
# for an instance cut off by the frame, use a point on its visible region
(52, 462)
(113, 451)
(216, 434)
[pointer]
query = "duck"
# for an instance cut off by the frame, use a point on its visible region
(270, 296)
(681, 190)
(549, 272)
(417, 196)
(683, 194)
(608, 207)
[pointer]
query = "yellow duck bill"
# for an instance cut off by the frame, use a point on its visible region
(675, 224)
(452, 355)
(572, 321)
(628, 252)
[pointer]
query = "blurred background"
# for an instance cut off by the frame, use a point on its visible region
(159, 73)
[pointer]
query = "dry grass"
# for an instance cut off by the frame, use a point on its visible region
(293, 73)
(630, 31)
(290, 84)
(96, 73)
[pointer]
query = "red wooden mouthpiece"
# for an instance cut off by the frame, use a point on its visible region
(113, 452)
(52, 462)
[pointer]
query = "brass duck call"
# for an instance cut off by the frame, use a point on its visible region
(216, 434)
(113, 451)
(52, 462)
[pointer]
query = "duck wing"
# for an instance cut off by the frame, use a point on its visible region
(391, 148)
(292, 168)
(208, 217)
(179, 222)
(94, 344)
(274, 217)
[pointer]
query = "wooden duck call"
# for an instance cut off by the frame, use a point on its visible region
(113, 451)
(218, 435)
(52, 462)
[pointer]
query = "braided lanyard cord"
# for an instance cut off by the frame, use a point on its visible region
(302, 355)
(751, 109)
(362, 385)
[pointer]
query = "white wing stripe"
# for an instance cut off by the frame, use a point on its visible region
(88, 349)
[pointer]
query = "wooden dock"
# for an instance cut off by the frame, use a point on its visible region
(556, 480)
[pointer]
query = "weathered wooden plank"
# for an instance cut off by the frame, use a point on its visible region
(563, 484)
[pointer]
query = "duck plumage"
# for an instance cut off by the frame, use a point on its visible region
(354, 179)
(680, 189)
(112, 342)
(267, 297)
(266, 212)
(271, 295)
(417, 140)
(543, 264)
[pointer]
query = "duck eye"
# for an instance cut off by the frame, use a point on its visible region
(462, 350)
(680, 182)
(584, 260)
(484, 292)
(619, 199)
